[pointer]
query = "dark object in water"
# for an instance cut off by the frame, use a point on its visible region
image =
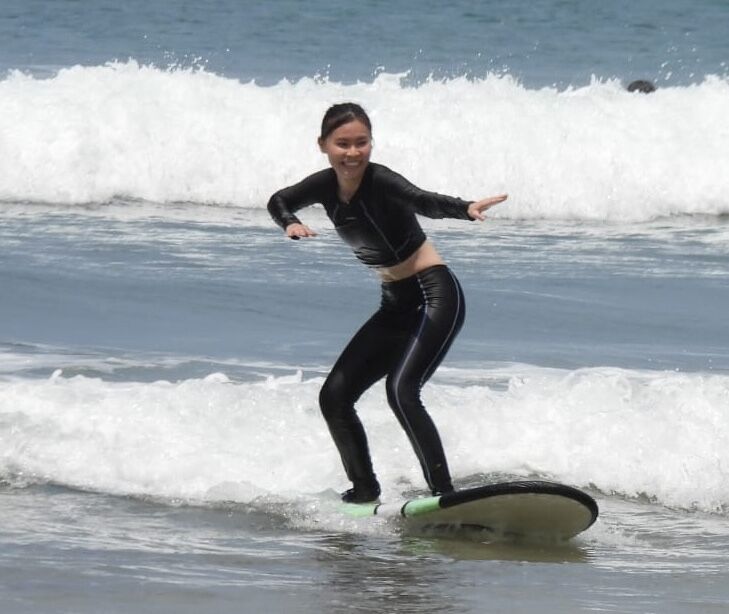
(642, 86)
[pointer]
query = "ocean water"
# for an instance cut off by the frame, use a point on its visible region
(162, 345)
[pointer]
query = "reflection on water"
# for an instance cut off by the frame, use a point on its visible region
(466, 546)
(381, 577)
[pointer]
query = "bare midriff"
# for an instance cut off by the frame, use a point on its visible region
(425, 256)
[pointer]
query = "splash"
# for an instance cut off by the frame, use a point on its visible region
(124, 130)
(660, 435)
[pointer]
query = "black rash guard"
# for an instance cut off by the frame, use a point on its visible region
(379, 222)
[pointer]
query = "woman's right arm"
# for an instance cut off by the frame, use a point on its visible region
(284, 204)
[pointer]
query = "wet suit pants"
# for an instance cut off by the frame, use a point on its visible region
(404, 341)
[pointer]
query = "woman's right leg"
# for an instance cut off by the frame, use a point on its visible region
(366, 359)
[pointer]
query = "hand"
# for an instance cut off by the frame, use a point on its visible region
(296, 231)
(475, 210)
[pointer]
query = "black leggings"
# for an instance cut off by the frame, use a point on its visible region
(405, 340)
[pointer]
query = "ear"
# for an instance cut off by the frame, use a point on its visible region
(320, 142)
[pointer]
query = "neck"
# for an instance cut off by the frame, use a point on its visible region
(347, 185)
(347, 189)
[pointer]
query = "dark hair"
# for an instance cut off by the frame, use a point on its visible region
(340, 114)
(642, 86)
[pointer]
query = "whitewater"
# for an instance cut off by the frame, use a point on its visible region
(657, 435)
(92, 134)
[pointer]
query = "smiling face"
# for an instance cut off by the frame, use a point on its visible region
(348, 149)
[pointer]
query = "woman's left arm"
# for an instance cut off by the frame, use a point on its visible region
(432, 204)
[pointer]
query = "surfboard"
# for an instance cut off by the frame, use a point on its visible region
(526, 509)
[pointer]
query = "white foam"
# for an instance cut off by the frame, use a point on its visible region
(90, 134)
(655, 434)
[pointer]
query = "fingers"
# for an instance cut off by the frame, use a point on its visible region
(493, 200)
(476, 209)
(297, 231)
(475, 212)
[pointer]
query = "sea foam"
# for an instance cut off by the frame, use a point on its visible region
(661, 435)
(91, 134)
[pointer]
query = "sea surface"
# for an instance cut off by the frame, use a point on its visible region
(162, 344)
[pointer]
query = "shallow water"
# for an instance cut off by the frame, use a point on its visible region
(145, 365)
(69, 551)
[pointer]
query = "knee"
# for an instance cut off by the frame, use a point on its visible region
(333, 397)
(402, 395)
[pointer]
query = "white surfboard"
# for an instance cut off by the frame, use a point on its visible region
(529, 509)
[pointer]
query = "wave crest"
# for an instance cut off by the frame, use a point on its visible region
(90, 134)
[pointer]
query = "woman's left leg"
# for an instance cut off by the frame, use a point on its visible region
(440, 318)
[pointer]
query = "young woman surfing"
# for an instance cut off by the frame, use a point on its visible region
(422, 308)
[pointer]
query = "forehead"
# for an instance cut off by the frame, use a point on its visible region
(351, 130)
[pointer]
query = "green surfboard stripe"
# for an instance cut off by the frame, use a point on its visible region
(421, 506)
(360, 510)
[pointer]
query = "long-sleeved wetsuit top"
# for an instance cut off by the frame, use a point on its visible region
(379, 222)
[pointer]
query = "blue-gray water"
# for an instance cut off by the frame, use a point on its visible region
(162, 344)
(541, 42)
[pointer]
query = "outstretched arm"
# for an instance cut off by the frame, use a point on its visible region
(432, 204)
(476, 209)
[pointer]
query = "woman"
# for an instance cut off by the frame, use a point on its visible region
(373, 209)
